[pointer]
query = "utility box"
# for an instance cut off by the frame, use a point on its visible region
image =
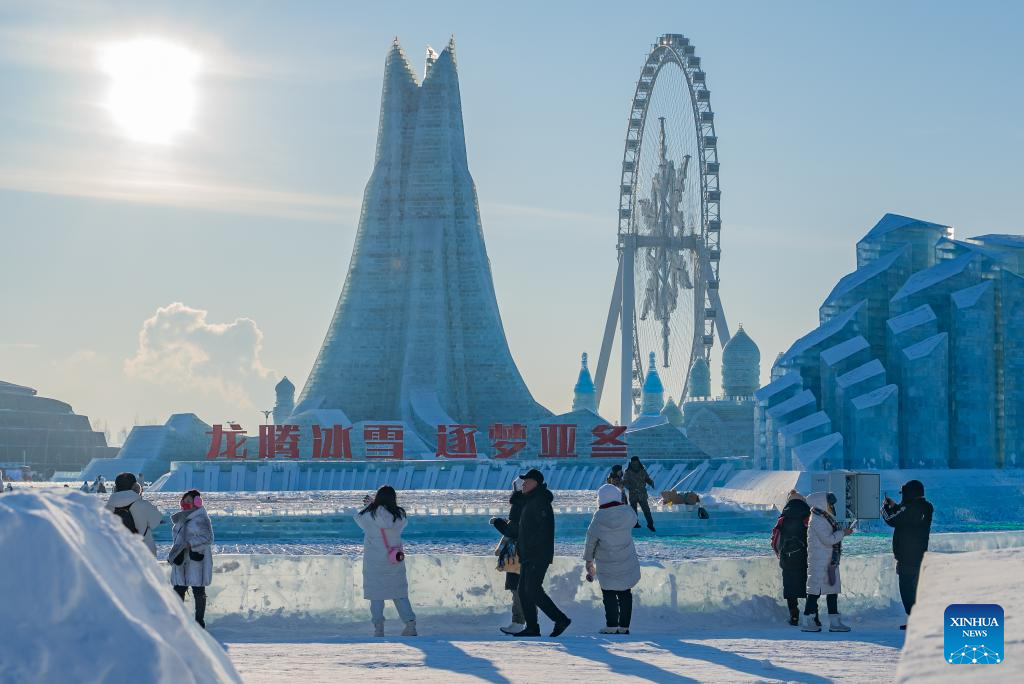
(858, 495)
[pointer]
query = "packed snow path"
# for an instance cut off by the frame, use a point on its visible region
(781, 654)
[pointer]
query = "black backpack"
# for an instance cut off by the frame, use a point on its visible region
(125, 514)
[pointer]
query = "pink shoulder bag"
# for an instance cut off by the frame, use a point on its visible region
(395, 553)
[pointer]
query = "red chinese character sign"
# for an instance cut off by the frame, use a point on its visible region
(279, 440)
(507, 440)
(557, 441)
(456, 441)
(232, 440)
(335, 442)
(384, 441)
(606, 442)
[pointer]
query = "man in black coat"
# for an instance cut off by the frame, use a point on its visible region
(536, 537)
(911, 520)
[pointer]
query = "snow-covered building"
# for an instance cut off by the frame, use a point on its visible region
(723, 426)
(45, 434)
(918, 361)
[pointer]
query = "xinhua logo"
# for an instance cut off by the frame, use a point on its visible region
(973, 634)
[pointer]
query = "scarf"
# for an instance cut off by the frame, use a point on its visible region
(837, 548)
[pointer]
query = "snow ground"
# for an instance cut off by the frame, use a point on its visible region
(782, 654)
(995, 576)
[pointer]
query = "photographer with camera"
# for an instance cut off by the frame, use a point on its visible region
(382, 522)
(610, 544)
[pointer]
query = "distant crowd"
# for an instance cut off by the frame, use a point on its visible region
(807, 540)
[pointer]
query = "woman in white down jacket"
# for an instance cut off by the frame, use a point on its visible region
(610, 543)
(824, 549)
(191, 554)
(382, 522)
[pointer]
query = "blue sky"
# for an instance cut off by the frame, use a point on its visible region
(828, 115)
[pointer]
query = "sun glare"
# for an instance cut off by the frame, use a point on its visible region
(152, 90)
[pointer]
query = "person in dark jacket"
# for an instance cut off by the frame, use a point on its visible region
(509, 528)
(636, 480)
(536, 537)
(789, 541)
(615, 478)
(911, 520)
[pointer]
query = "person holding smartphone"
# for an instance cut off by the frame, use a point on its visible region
(911, 520)
(824, 548)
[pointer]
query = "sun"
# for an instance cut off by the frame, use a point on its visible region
(152, 91)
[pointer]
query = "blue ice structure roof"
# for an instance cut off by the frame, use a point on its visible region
(874, 397)
(790, 379)
(925, 347)
(807, 455)
(892, 222)
(584, 383)
(844, 349)
(960, 247)
(805, 398)
(860, 373)
(969, 296)
(806, 423)
(1001, 240)
(821, 333)
(851, 280)
(934, 274)
(913, 318)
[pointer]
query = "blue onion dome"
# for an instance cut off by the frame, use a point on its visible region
(284, 386)
(699, 385)
(741, 366)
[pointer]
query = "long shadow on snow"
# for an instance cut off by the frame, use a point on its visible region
(440, 654)
(741, 663)
(627, 665)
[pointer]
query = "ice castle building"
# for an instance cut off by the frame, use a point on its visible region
(416, 337)
(918, 361)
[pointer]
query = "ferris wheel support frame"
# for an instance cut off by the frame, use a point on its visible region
(708, 311)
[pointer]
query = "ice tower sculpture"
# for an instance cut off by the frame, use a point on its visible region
(918, 361)
(416, 336)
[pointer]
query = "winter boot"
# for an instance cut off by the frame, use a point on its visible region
(410, 629)
(608, 630)
(561, 626)
(835, 624)
(533, 631)
(514, 628)
(378, 629)
(650, 526)
(810, 624)
(794, 617)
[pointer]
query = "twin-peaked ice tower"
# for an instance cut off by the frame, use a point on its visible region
(417, 336)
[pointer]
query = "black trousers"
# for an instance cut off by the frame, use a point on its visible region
(199, 596)
(908, 588)
(794, 607)
(533, 596)
(644, 505)
(618, 607)
(811, 604)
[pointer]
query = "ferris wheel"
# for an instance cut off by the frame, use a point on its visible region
(666, 298)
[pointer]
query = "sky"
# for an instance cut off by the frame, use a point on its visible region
(140, 278)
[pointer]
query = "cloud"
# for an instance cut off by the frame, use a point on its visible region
(179, 348)
(202, 195)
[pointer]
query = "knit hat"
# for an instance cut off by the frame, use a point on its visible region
(124, 481)
(793, 494)
(608, 493)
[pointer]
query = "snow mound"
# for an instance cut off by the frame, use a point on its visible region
(84, 601)
(977, 577)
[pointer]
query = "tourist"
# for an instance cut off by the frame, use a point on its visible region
(508, 554)
(824, 549)
(636, 480)
(101, 487)
(138, 515)
(789, 542)
(382, 522)
(85, 486)
(610, 544)
(191, 554)
(911, 520)
(536, 552)
(615, 478)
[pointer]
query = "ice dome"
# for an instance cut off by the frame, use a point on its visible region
(284, 387)
(653, 392)
(699, 385)
(741, 365)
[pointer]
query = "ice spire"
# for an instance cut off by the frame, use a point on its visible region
(653, 399)
(584, 394)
